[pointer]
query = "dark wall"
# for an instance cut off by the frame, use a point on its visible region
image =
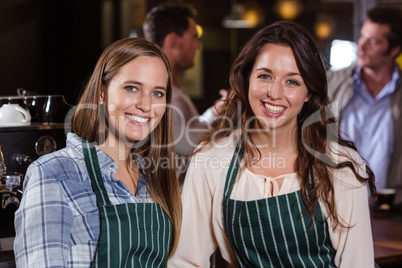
(48, 46)
(22, 55)
(73, 44)
(51, 46)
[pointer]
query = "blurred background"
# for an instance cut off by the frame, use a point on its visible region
(51, 46)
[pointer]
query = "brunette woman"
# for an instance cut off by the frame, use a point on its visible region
(281, 188)
(104, 200)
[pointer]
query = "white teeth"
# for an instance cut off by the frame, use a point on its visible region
(274, 109)
(137, 118)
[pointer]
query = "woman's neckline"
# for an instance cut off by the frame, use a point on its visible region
(292, 174)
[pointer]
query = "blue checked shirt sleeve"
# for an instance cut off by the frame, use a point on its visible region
(43, 221)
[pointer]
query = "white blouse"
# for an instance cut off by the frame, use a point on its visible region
(252, 186)
(202, 228)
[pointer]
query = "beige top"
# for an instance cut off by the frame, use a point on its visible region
(202, 229)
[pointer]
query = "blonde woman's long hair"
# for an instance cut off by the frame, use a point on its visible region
(90, 123)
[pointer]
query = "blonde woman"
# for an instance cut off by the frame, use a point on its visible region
(104, 201)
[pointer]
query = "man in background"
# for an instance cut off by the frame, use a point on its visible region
(369, 96)
(172, 26)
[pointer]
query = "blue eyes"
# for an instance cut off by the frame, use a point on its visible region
(156, 93)
(131, 88)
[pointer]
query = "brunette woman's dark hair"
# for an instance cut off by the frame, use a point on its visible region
(317, 130)
(90, 122)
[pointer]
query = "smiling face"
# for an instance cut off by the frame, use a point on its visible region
(277, 91)
(135, 99)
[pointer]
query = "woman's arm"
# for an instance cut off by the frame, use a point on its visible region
(197, 241)
(43, 221)
(354, 245)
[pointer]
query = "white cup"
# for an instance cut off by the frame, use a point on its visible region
(14, 115)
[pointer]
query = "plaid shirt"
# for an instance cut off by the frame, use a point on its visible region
(57, 223)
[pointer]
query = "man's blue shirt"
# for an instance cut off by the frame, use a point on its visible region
(368, 122)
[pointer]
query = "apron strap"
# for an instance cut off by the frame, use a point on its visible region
(92, 163)
(233, 168)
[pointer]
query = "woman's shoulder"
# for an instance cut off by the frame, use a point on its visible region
(214, 157)
(219, 147)
(345, 175)
(341, 153)
(61, 164)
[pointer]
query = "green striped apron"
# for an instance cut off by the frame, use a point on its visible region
(272, 232)
(131, 235)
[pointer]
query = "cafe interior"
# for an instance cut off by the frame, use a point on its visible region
(48, 49)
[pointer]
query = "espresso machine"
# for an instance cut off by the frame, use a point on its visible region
(34, 126)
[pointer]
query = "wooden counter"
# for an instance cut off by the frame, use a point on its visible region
(387, 236)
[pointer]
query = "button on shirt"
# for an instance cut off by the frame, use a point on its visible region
(58, 222)
(367, 121)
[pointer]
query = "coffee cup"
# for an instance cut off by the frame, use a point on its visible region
(14, 115)
(385, 199)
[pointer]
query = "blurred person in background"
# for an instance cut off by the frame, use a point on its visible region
(369, 97)
(172, 26)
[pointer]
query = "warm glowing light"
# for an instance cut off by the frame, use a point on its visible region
(324, 26)
(200, 31)
(399, 60)
(252, 17)
(240, 17)
(323, 30)
(288, 9)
